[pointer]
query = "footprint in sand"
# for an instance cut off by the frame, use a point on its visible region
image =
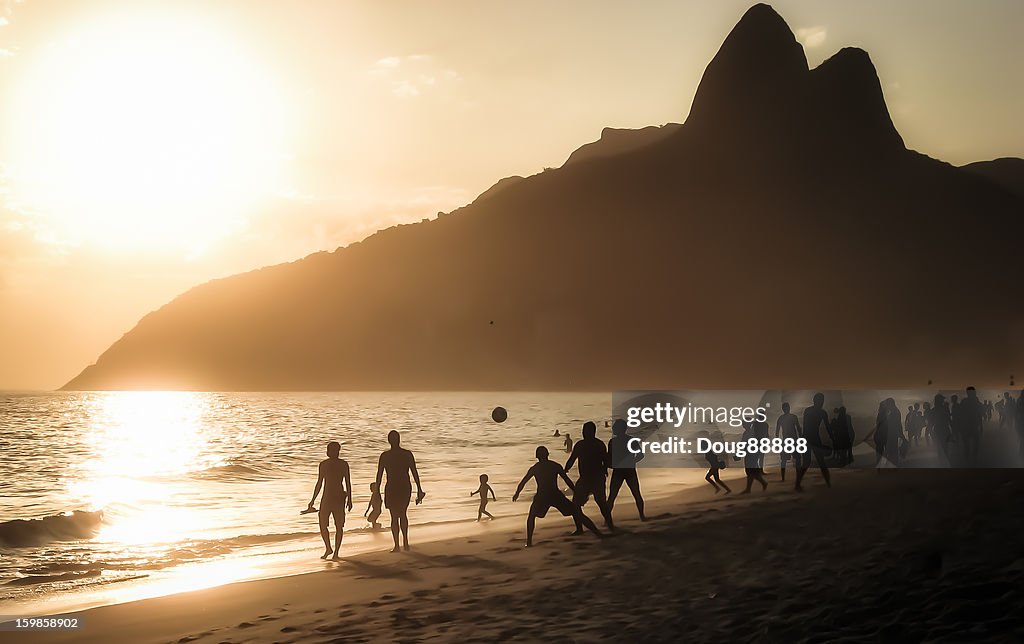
(246, 625)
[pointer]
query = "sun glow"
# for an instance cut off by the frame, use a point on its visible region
(148, 131)
(141, 440)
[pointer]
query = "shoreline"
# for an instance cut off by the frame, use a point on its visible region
(300, 556)
(886, 555)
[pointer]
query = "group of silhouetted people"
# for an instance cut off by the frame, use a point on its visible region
(948, 424)
(335, 480)
(940, 423)
(593, 460)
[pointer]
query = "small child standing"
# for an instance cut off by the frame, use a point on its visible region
(483, 490)
(373, 509)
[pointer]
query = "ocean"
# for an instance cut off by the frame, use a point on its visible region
(117, 496)
(137, 494)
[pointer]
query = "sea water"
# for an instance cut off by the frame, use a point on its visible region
(115, 496)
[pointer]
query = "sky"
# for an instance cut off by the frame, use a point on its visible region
(147, 147)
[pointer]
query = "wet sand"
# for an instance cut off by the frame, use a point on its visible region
(891, 556)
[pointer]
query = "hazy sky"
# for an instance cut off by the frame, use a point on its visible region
(146, 147)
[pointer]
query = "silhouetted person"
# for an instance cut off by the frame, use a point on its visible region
(623, 464)
(972, 419)
(789, 426)
(1001, 409)
(955, 419)
(889, 433)
(567, 443)
(842, 434)
(333, 477)
(940, 425)
(915, 423)
(715, 464)
(593, 466)
(814, 417)
(1009, 417)
(908, 420)
(373, 508)
(926, 420)
(546, 472)
(556, 433)
(398, 463)
(753, 461)
(483, 491)
(881, 432)
(1019, 420)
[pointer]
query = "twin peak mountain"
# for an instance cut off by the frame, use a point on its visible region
(783, 236)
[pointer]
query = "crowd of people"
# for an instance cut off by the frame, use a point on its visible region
(953, 428)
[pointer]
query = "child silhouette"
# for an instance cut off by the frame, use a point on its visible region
(483, 491)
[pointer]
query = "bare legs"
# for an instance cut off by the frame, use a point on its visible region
(400, 523)
(325, 534)
(754, 474)
(804, 464)
(633, 482)
(717, 483)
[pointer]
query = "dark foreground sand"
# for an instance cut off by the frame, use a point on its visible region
(896, 556)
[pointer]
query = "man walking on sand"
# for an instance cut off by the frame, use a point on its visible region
(334, 478)
(398, 463)
(814, 417)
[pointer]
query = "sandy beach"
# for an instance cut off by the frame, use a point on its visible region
(882, 556)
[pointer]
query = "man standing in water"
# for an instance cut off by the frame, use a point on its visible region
(593, 459)
(814, 417)
(546, 473)
(398, 463)
(334, 478)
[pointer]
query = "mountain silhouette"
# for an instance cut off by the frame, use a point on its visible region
(1006, 172)
(783, 236)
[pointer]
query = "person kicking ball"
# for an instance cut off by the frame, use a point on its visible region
(546, 473)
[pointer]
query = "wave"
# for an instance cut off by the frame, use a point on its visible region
(236, 472)
(23, 533)
(32, 580)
